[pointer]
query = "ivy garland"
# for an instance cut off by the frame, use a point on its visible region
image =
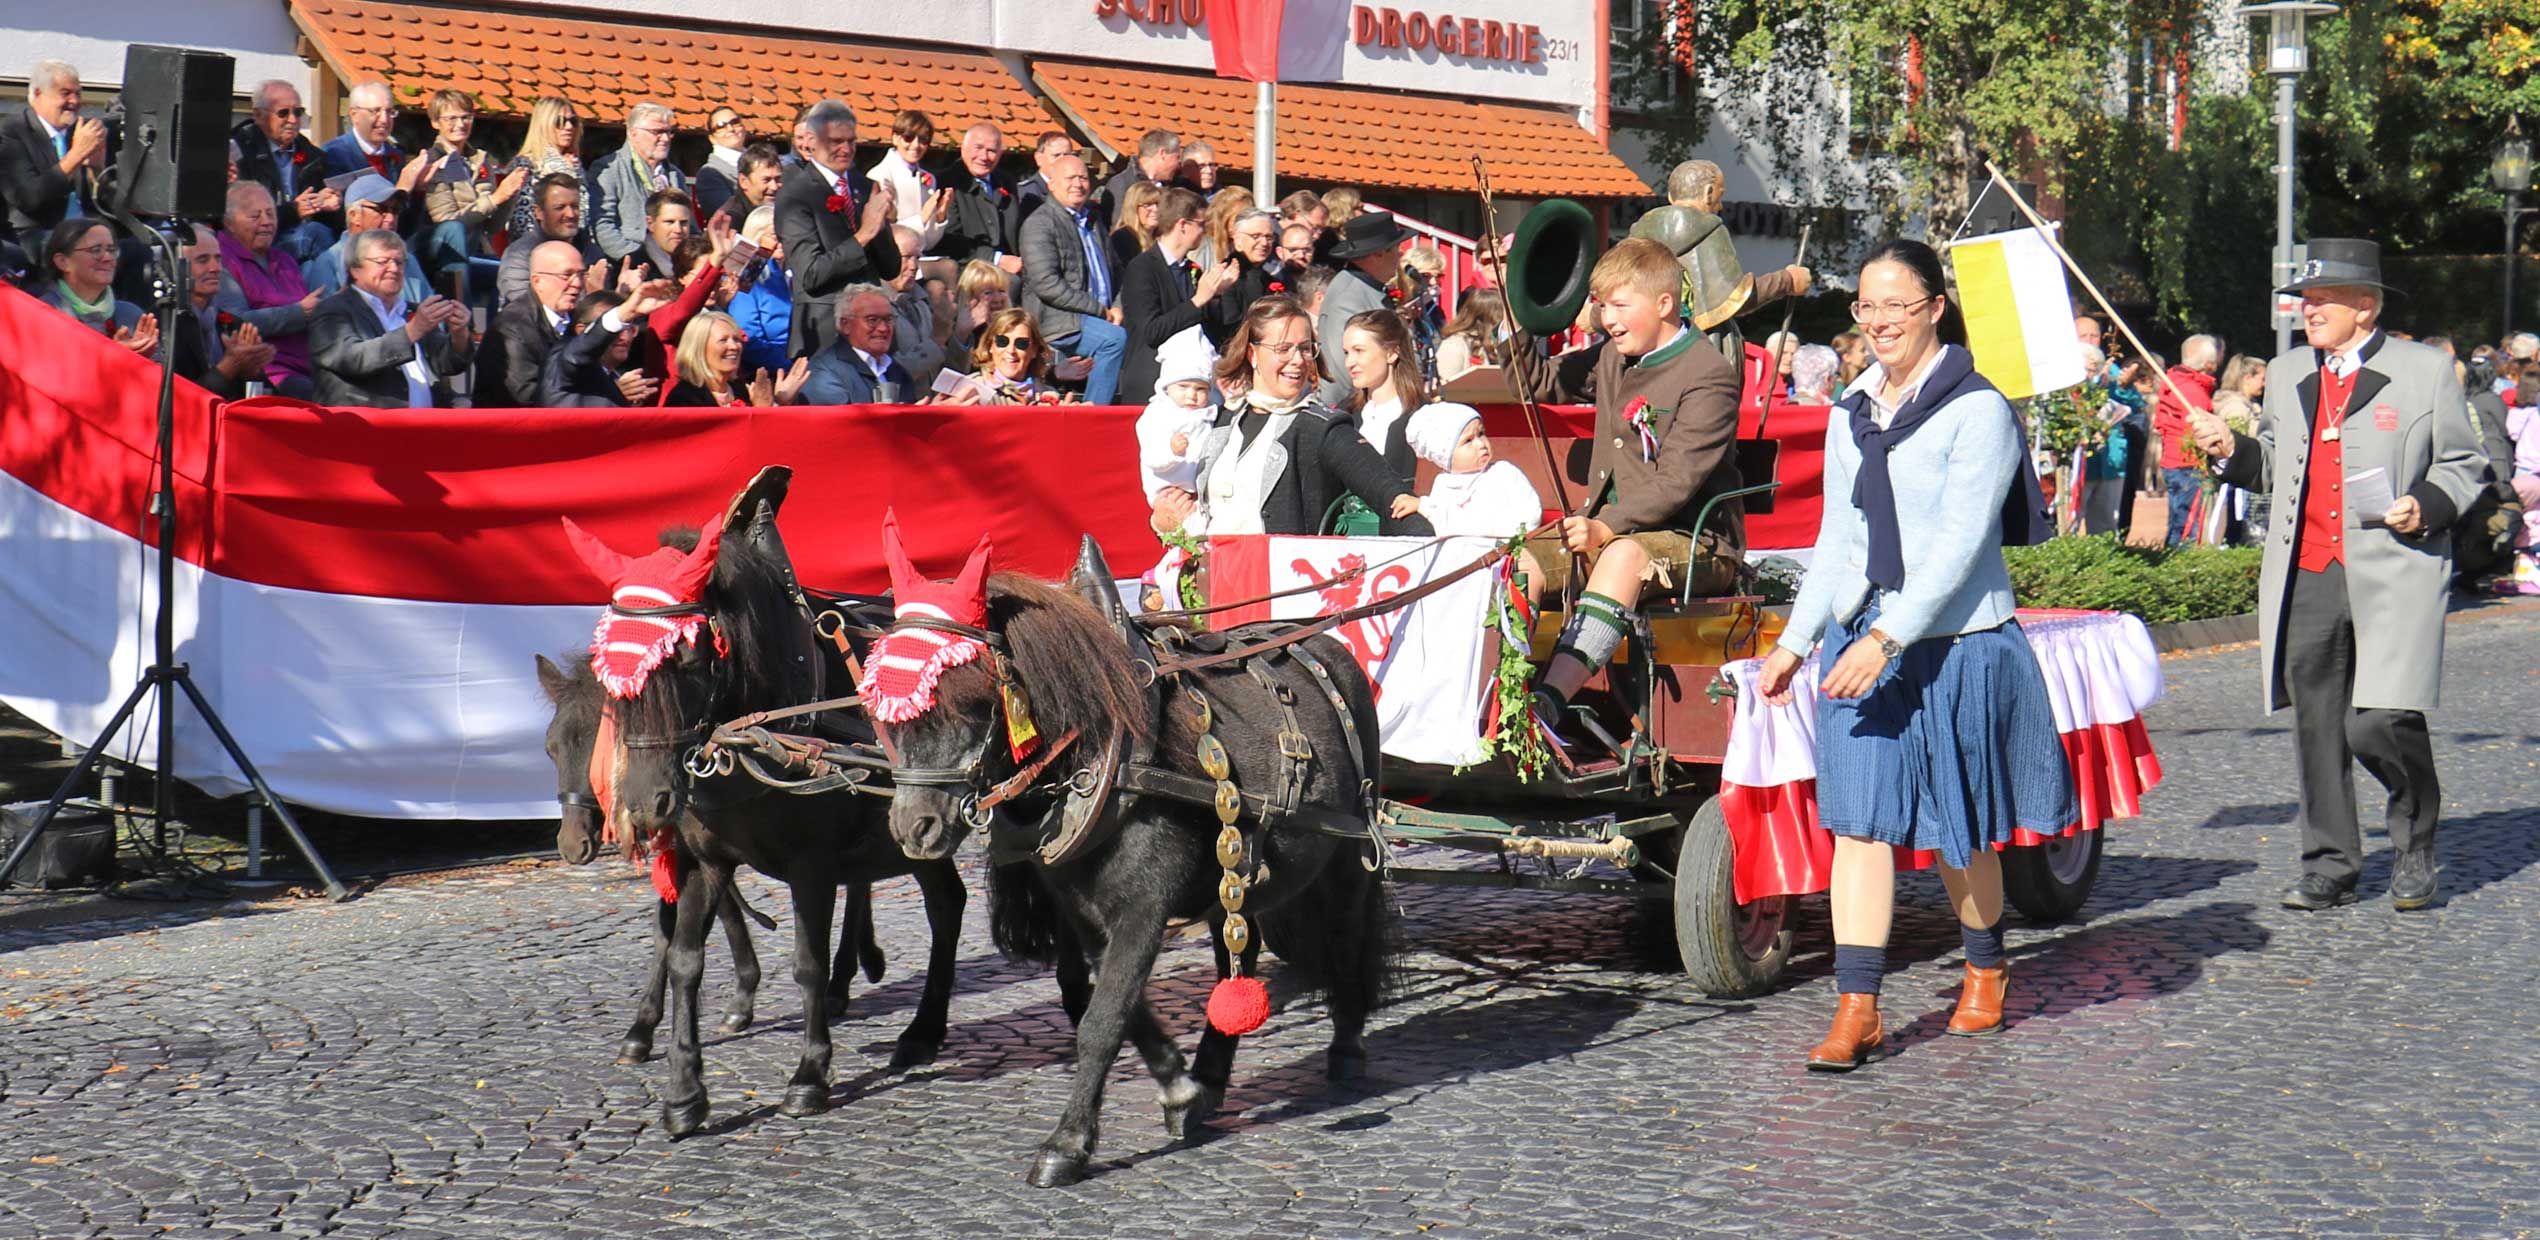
(1513, 736)
(1194, 596)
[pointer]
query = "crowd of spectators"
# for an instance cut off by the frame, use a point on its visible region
(831, 273)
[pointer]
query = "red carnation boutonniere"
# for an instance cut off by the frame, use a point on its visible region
(299, 155)
(1277, 286)
(225, 321)
(1636, 416)
(1393, 296)
(837, 204)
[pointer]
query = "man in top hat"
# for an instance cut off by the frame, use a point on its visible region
(2367, 448)
(1369, 255)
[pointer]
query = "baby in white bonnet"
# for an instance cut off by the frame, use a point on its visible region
(1472, 494)
(1169, 430)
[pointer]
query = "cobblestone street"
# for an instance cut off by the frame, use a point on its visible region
(2188, 1059)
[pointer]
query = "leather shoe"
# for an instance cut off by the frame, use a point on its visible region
(1856, 1038)
(2412, 884)
(1980, 1002)
(2316, 892)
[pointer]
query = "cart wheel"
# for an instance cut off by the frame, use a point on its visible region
(1730, 950)
(2050, 881)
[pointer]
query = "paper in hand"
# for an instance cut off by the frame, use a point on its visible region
(2368, 495)
(737, 259)
(949, 382)
(342, 182)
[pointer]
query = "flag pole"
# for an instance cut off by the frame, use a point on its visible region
(1265, 145)
(2047, 232)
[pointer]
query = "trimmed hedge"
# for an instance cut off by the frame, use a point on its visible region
(2162, 585)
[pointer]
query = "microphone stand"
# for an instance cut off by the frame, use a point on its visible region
(165, 674)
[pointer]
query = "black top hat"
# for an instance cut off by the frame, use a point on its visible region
(2338, 261)
(1369, 232)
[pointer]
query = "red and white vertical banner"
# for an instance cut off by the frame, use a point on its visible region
(1278, 40)
(1426, 660)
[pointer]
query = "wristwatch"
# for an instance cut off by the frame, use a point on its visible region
(1887, 646)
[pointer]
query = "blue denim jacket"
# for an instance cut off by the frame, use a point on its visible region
(1949, 478)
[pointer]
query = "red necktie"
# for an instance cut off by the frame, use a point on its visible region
(379, 163)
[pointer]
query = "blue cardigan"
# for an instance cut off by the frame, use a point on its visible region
(1950, 479)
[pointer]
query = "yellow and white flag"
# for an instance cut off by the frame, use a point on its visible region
(2019, 312)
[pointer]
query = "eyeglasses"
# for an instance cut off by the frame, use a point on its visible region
(390, 112)
(656, 131)
(870, 318)
(562, 121)
(734, 123)
(384, 260)
(1887, 311)
(1302, 348)
(1012, 342)
(287, 111)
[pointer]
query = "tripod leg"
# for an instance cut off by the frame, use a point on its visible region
(335, 890)
(87, 763)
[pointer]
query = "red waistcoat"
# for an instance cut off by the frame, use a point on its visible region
(2323, 536)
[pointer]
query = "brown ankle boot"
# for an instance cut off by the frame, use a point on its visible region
(1856, 1038)
(1980, 1002)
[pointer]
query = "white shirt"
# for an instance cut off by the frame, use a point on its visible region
(418, 372)
(910, 187)
(881, 368)
(1874, 382)
(2344, 363)
(728, 158)
(367, 148)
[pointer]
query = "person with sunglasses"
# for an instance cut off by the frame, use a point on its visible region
(1275, 458)
(1933, 726)
(1013, 362)
(274, 151)
(727, 136)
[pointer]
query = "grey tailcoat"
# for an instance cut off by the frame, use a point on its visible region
(2406, 417)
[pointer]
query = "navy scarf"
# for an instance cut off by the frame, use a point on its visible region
(2025, 521)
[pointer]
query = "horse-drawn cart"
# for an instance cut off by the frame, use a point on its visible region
(1678, 784)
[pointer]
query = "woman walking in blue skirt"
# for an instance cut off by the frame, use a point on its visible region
(1933, 729)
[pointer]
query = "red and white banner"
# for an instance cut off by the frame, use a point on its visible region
(360, 591)
(1426, 659)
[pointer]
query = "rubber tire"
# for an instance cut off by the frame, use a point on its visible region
(2031, 886)
(1706, 915)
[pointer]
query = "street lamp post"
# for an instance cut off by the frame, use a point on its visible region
(2288, 54)
(2511, 174)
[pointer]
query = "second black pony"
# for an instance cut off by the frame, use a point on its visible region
(1035, 713)
(573, 731)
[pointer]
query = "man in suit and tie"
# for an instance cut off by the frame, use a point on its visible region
(1162, 292)
(624, 182)
(834, 225)
(523, 334)
(273, 151)
(2366, 446)
(1067, 282)
(857, 368)
(49, 158)
(365, 144)
(982, 206)
(374, 351)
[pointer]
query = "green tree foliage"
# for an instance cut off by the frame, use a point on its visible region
(2399, 116)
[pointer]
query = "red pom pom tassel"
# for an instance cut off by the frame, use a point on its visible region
(665, 877)
(1238, 1006)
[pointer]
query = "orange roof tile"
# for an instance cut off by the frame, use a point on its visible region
(1354, 135)
(508, 61)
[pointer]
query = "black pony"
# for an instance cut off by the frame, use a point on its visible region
(755, 651)
(1314, 899)
(572, 732)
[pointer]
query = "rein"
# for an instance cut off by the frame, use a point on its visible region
(1325, 624)
(1354, 574)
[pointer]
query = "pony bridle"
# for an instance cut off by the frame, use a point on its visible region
(980, 797)
(691, 738)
